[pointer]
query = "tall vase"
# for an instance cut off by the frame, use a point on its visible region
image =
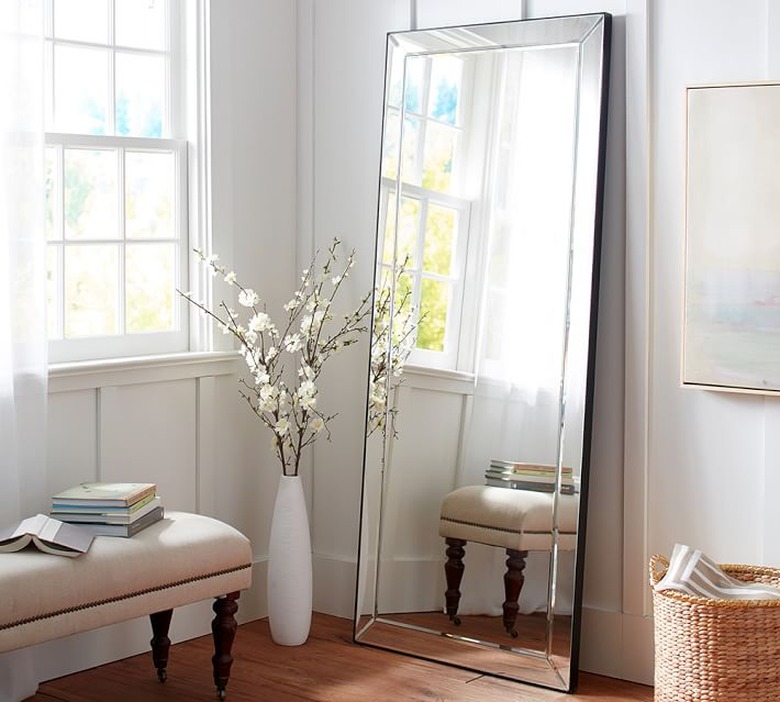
(289, 566)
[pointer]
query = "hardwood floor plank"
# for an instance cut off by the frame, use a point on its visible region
(328, 668)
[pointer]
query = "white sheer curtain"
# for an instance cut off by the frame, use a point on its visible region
(22, 290)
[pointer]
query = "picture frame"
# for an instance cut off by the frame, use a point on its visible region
(731, 316)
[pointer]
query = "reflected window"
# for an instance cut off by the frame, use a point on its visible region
(116, 191)
(423, 147)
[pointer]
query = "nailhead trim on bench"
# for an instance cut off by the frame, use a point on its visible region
(119, 598)
(502, 529)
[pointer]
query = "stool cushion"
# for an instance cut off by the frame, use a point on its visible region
(515, 519)
(181, 559)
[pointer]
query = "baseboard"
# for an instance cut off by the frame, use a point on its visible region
(617, 645)
(334, 585)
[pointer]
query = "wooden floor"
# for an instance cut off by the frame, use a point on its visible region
(328, 667)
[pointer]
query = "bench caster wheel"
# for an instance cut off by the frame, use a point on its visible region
(162, 675)
(221, 694)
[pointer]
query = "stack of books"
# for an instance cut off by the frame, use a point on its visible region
(109, 509)
(528, 476)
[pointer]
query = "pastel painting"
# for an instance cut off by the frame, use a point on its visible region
(731, 334)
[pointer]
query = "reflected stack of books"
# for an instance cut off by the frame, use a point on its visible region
(109, 509)
(528, 476)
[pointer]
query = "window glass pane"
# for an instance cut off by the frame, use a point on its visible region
(141, 24)
(445, 89)
(149, 192)
(440, 231)
(415, 75)
(433, 315)
(149, 285)
(91, 290)
(53, 286)
(82, 20)
(50, 185)
(140, 95)
(80, 90)
(90, 194)
(438, 157)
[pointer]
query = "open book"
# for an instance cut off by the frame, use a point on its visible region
(46, 534)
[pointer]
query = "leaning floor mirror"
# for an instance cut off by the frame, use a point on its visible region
(480, 384)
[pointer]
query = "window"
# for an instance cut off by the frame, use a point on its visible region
(116, 179)
(430, 237)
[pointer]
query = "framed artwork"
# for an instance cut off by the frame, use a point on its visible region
(731, 326)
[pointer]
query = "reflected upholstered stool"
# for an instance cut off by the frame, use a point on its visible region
(181, 559)
(516, 520)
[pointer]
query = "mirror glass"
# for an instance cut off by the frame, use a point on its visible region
(483, 342)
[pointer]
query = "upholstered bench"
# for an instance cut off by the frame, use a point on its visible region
(181, 559)
(516, 520)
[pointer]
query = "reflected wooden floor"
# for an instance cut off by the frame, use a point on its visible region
(328, 668)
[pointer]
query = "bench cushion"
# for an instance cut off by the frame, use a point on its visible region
(181, 559)
(515, 519)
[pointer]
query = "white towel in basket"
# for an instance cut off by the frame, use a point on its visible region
(692, 572)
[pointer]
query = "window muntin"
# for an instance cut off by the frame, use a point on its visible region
(116, 179)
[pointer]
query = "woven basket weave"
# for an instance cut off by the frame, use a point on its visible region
(710, 649)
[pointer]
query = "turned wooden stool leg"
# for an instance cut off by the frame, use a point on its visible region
(513, 583)
(453, 569)
(223, 629)
(161, 644)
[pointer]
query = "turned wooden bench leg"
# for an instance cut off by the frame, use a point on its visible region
(453, 569)
(513, 583)
(161, 644)
(223, 629)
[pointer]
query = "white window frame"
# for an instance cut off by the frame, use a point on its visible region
(186, 82)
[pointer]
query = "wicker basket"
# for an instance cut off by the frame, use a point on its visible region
(710, 649)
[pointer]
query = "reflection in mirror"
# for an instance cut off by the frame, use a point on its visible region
(478, 435)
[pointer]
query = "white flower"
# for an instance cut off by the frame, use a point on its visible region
(293, 342)
(259, 322)
(271, 353)
(230, 278)
(248, 298)
(261, 377)
(213, 258)
(307, 402)
(282, 426)
(308, 388)
(224, 327)
(317, 424)
(336, 280)
(306, 323)
(292, 304)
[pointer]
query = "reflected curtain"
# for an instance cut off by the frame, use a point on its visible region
(23, 370)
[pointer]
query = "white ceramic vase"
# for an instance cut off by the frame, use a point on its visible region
(289, 566)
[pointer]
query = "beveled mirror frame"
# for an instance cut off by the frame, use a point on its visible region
(591, 35)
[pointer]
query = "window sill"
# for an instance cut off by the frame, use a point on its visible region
(88, 375)
(439, 379)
